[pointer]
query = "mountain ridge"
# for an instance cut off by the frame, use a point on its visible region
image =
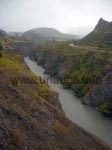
(101, 34)
(46, 32)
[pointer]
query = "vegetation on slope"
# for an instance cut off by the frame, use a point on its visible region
(85, 70)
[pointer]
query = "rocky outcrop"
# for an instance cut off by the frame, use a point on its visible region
(101, 93)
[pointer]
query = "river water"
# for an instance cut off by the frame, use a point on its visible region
(85, 116)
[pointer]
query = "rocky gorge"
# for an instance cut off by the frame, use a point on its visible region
(87, 71)
(31, 116)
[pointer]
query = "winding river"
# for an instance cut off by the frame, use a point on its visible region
(85, 116)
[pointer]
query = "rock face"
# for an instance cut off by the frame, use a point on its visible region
(54, 63)
(31, 117)
(101, 35)
(100, 93)
(21, 47)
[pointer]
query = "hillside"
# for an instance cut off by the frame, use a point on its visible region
(85, 70)
(31, 116)
(47, 33)
(101, 35)
(36, 37)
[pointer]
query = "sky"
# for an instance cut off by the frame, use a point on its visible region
(64, 15)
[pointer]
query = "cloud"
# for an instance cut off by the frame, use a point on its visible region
(22, 15)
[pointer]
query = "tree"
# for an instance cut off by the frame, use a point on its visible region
(106, 109)
(0, 54)
(1, 46)
(75, 43)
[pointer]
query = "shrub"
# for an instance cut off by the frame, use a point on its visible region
(61, 129)
(106, 109)
(19, 139)
(78, 90)
(0, 54)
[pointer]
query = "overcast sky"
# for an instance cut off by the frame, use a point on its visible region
(64, 15)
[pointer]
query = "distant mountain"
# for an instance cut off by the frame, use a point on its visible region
(102, 34)
(48, 33)
(15, 33)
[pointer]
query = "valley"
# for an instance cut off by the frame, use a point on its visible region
(83, 115)
(33, 114)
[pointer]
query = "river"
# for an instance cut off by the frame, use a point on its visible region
(85, 116)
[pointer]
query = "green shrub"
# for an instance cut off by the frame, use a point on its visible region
(106, 109)
(78, 90)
